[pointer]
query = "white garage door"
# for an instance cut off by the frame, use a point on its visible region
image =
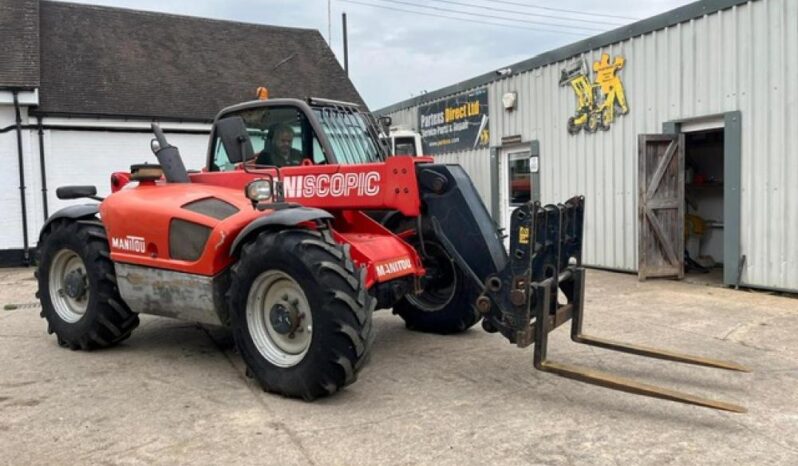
(89, 158)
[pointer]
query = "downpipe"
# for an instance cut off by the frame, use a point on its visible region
(43, 167)
(26, 250)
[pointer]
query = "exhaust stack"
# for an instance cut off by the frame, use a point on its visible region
(168, 157)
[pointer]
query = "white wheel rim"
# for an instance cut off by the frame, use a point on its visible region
(275, 288)
(69, 309)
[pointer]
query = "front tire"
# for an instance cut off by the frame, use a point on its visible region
(445, 306)
(301, 315)
(77, 287)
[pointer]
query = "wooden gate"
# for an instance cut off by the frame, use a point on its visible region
(661, 205)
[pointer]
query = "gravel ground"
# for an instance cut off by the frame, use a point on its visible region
(176, 393)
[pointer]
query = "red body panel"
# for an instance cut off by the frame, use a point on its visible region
(391, 185)
(145, 212)
(137, 217)
(385, 255)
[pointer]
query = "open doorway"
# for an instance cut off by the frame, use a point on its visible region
(704, 206)
(689, 200)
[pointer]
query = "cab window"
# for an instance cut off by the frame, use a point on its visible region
(280, 136)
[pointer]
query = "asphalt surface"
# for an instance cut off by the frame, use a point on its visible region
(176, 393)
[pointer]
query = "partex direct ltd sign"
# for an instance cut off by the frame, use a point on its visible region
(455, 124)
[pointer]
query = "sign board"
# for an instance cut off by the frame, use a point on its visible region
(455, 124)
(597, 102)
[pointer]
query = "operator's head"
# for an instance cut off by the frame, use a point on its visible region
(282, 139)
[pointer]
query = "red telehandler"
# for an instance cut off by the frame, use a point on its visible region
(299, 227)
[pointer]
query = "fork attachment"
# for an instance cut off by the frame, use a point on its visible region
(523, 301)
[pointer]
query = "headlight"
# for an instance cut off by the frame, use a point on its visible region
(259, 190)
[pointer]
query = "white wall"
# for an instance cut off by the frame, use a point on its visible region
(75, 157)
(741, 59)
(10, 197)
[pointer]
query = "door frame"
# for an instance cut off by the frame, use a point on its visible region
(496, 152)
(731, 122)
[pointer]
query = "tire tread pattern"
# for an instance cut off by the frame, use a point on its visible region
(107, 320)
(457, 316)
(345, 329)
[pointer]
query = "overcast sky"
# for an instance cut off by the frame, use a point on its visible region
(394, 55)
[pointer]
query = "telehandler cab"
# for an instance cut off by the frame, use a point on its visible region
(292, 259)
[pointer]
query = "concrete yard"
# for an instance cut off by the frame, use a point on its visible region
(176, 393)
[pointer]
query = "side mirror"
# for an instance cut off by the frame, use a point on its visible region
(235, 138)
(385, 123)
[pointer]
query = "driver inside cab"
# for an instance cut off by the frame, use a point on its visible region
(279, 150)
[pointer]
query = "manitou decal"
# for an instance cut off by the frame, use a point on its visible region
(597, 101)
(130, 244)
(393, 268)
(332, 185)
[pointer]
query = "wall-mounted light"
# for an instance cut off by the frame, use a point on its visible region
(509, 100)
(504, 71)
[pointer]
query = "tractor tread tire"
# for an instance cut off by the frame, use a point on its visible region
(457, 316)
(107, 320)
(341, 310)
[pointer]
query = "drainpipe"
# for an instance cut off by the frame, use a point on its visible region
(25, 252)
(43, 167)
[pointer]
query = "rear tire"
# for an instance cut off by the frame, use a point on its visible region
(444, 306)
(77, 287)
(301, 316)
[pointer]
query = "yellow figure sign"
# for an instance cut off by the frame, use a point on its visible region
(484, 137)
(597, 101)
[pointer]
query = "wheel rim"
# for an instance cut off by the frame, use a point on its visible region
(440, 290)
(592, 123)
(279, 318)
(69, 286)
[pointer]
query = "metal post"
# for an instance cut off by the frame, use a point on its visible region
(346, 47)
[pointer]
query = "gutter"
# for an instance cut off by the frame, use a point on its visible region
(107, 129)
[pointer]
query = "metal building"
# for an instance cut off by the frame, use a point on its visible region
(688, 113)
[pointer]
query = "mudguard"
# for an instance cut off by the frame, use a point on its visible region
(73, 212)
(284, 217)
